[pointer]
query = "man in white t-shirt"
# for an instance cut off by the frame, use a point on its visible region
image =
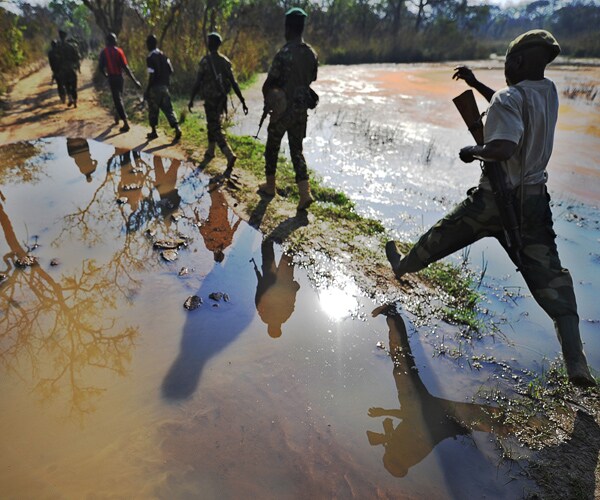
(518, 133)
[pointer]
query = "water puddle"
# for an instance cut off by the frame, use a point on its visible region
(275, 386)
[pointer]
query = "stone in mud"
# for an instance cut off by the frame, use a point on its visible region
(3, 277)
(192, 302)
(226, 297)
(184, 271)
(216, 296)
(131, 187)
(176, 216)
(150, 233)
(122, 200)
(169, 255)
(380, 345)
(170, 243)
(54, 262)
(27, 261)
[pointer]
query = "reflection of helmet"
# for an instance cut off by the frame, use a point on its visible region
(275, 102)
(274, 330)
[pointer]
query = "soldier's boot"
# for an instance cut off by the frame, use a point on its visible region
(567, 330)
(209, 154)
(306, 198)
(402, 263)
(152, 134)
(268, 188)
(177, 134)
(231, 159)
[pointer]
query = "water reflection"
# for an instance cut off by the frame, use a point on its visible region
(209, 329)
(79, 150)
(276, 289)
(424, 420)
(217, 229)
(59, 328)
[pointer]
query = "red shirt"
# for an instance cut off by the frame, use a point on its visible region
(113, 59)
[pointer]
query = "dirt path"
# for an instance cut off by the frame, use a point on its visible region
(34, 111)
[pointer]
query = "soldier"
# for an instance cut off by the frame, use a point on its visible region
(215, 79)
(112, 64)
(68, 65)
(54, 61)
(157, 92)
(292, 71)
(519, 132)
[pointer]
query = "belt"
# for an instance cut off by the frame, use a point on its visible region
(532, 189)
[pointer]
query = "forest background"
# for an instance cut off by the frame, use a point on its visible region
(342, 31)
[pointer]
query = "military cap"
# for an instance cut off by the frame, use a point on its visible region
(535, 38)
(214, 34)
(296, 11)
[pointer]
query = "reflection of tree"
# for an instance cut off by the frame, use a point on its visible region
(17, 164)
(276, 289)
(425, 420)
(57, 328)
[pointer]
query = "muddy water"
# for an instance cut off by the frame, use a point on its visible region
(110, 388)
(389, 136)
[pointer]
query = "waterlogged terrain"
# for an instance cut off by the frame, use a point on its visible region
(276, 386)
(389, 135)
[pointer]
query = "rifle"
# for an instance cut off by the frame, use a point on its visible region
(262, 120)
(467, 108)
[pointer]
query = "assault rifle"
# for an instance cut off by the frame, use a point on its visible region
(262, 120)
(467, 108)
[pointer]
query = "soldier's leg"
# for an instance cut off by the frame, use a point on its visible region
(116, 89)
(167, 107)
(296, 134)
(276, 131)
(474, 218)
(60, 85)
(74, 88)
(209, 154)
(153, 109)
(551, 285)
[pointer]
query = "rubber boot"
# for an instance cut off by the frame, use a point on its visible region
(403, 260)
(268, 188)
(231, 159)
(305, 197)
(567, 330)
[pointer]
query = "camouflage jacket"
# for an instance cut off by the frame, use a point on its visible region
(215, 77)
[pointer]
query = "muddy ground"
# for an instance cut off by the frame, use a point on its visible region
(563, 468)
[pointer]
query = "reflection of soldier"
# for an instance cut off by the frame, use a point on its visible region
(425, 420)
(216, 229)
(112, 65)
(157, 92)
(519, 132)
(215, 79)
(276, 289)
(165, 183)
(68, 66)
(79, 150)
(130, 184)
(53, 60)
(293, 69)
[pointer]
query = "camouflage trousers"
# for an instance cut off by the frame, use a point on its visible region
(477, 217)
(68, 81)
(214, 111)
(159, 99)
(294, 123)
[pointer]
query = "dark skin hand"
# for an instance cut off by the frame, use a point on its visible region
(465, 73)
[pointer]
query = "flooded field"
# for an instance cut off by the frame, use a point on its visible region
(389, 136)
(278, 389)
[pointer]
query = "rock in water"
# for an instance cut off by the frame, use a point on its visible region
(192, 302)
(169, 255)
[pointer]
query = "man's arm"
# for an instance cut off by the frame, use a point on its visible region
(127, 70)
(465, 73)
(102, 63)
(197, 86)
(497, 150)
(236, 89)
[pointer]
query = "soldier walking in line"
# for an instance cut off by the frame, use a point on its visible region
(292, 71)
(69, 61)
(112, 65)
(214, 81)
(157, 93)
(54, 60)
(519, 134)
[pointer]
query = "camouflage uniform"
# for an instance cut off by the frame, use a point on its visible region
(68, 60)
(158, 94)
(293, 69)
(215, 85)
(54, 61)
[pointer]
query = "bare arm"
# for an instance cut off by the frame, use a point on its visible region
(132, 76)
(465, 73)
(498, 150)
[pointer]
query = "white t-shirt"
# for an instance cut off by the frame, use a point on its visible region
(505, 122)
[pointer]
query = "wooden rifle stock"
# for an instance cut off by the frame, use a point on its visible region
(467, 107)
